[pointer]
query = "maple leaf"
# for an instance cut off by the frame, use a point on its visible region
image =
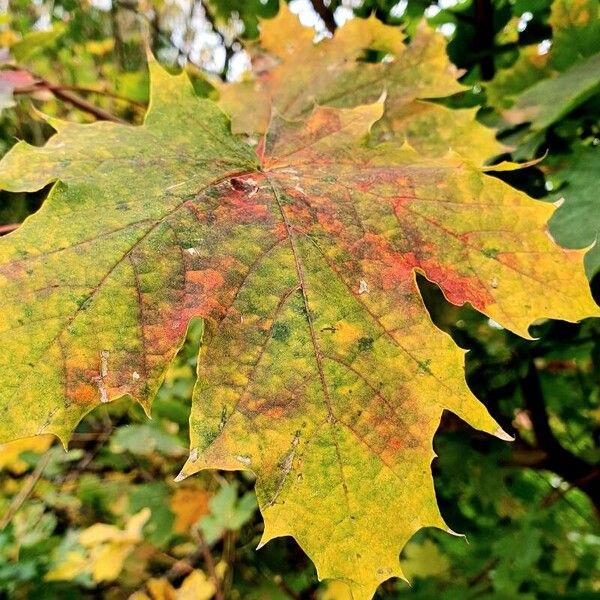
(321, 369)
(543, 88)
(292, 74)
(550, 100)
(106, 549)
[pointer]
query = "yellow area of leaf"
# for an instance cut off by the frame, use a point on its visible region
(93, 273)
(11, 451)
(8, 37)
(424, 560)
(188, 504)
(540, 86)
(105, 549)
(293, 74)
(336, 590)
(196, 586)
(575, 28)
(100, 47)
(529, 68)
(74, 564)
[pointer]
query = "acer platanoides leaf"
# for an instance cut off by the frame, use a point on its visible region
(321, 370)
(292, 74)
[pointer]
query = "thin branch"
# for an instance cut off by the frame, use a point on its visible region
(229, 51)
(283, 585)
(573, 469)
(484, 37)
(183, 567)
(89, 456)
(229, 555)
(109, 94)
(326, 15)
(479, 577)
(210, 563)
(185, 52)
(116, 30)
(156, 30)
(81, 103)
(558, 493)
(25, 491)
(62, 93)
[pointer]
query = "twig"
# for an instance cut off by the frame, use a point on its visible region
(556, 457)
(558, 493)
(283, 585)
(183, 567)
(229, 542)
(184, 52)
(26, 490)
(210, 563)
(326, 15)
(156, 30)
(484, 37)
(81, 103)
(66, 95)
(479, 577)
(229, 52)
(89, 457)
(116, 29)
(109, 94)
(564, 498)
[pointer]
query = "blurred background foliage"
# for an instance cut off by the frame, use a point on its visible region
(106, 519)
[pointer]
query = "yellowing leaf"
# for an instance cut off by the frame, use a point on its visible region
(10, 452)
(106, 362)
(549, 100)
(161, 589)
(105, 549)
(575, 31)
(73, 565)
(320, 370)
(529, 68)
(301, 74)
(196, 586)
(336, 590)
(541, 89)
(34, 41)
(8, 37)
(424, 560)
(100, 47)
(188, 505)
(107, 560)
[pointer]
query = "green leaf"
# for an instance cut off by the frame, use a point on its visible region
(514, 567)
(34, 41)
(424, 560)
(575, 31)
(155, 496)
(576, 224)
(547, 101)
(227, 512)
(145, 440)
